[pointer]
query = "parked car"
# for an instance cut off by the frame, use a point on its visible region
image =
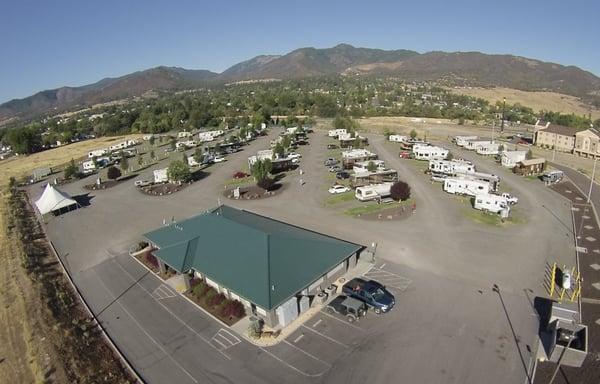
(404, 155)
(332, 146)
(510, 199)
(370, 292)
(350, 307)
(294, 155)
(342, 175)
(338, 189)
(142, 183)
(240, 175)
(219, 159)
(335, 168)
(331, 161)
(553, 176)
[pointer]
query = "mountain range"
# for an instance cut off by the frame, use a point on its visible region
(472, 68)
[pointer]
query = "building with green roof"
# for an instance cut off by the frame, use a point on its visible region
(272, 267)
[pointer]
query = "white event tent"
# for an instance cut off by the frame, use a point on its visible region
(53, 200)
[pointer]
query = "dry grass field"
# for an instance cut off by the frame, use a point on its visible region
(537, 101)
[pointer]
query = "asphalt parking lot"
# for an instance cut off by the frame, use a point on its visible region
(439, 265)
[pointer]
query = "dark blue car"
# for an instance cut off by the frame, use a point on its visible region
(371, 292)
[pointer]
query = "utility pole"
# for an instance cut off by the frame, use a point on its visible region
(493, 129)
(554, 146)
(592, 180)
(503, 109)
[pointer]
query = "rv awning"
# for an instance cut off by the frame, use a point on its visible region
(52, 200)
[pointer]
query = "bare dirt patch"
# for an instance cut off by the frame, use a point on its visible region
(254, 192)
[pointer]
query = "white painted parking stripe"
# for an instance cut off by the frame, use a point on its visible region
(307, 353)
(298, 338)
(220, 343)
(290, 365)
(317, 323)
(382, 265)
(325, 336)
(225, 334)
(342, 321)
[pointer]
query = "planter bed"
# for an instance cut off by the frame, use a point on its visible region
(206, 297)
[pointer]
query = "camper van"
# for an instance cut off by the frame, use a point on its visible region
(553, 176)
(491, 203)
(373, 191)
(460, 186)
(426, 152)
(462, 141)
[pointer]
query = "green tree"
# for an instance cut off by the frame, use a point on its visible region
(279, 150)
(198, 157)
(413, 134)
(71, 170)
(124, 163)
(371, 166)
(178, 171)
(152, 154)
(113, 173)
(173, 143)
(140, 161)
(400, 191)
(261, 169)
(151, 140)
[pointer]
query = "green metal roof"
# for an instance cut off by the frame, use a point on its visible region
(263, 260)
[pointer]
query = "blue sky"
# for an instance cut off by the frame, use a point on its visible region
(48, 44)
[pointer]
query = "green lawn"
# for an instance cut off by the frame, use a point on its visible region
(482, 217)
(238, 182)
(372, 207)
(339, 198)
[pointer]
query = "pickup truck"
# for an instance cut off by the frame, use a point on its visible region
(371, 293)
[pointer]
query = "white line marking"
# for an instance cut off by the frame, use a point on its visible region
(317, 323)
(325, 336)
(307, 353)
(226, 335)
(343, 322)
(145, 332)
(382, 265)
(290, 365)
(220, 343)
(298, 338)
(173, 314)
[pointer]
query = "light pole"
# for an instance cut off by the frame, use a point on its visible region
(592, 180)
(503, 108)
(554, 146)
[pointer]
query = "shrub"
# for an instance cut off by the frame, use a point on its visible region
(151, 260)
(400, 191)
(209, 292)
(216, 299)
(233, 308)
(199, 288)
(266, 183)
(113, 173)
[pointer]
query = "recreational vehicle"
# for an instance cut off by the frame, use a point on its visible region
(440, 169)
(336, 132)
(491, 179)
(364, 165)
(122, 145)
(510, 159)
(488, 149)
(398, 138)
(373, 191)
(460, 186)
(492, 203)
(425, 152)
(363, 178)
(183, 134)
(462, 141)
(553, 176)
(474, 144)
(349, 158)
(410, 143)
(90, 166)
(161, 175)
(97, 153)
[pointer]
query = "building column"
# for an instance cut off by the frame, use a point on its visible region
(162, 268)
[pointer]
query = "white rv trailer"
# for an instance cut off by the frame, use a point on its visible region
(488, 149)
(491, 179)
(462, 186)
(186, 144)
(426, 152)
(89, 166)
(492, 203)
(473, 144)
(97, 153)
(364, 165)
(358, 154)
(510, 159)
(260, 155)
(398, 138)
(461, 141)
(373, 191)
(183, 134)
(161, 175)
(336, 132)
(122, 145)
(440, 169)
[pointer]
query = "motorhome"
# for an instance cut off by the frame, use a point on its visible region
(336, 132)
(462, 141)
(462, 186)
(426, 152)
(510, 159)
(122, 145)
(364, 165)
(97, 153)
(373, 191)
(472, 145)
(161, 175)
(353, 156)
(553, 176)
(440, 169)
(398, 138)
(492, 203)
(488, 149)
(365, 177)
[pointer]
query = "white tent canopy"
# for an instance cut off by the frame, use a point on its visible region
(52, 200)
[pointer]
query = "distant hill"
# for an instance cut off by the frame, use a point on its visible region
(461, 68)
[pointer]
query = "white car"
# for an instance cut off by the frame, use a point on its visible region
(294, 156)
(510, 199)
(142, 183)
(339, 189)
(219, 159)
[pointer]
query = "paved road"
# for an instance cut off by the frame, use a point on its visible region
(447, 314)
(582, 182)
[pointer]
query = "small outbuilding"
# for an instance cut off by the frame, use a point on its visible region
(529, 167)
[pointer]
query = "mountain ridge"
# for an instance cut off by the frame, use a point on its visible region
(474, 68)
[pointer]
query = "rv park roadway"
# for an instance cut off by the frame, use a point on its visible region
(448, 325)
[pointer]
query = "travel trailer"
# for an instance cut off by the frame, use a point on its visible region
(364, 165)
(491, 179)
(462, 141)
(510, 159)
(122, 145)
(89, 166)
(426, 152)
(398, 138)
(492, 203)
(183, 134)
(373, 191)
(488, 149)
(353, 156)
(97, 153)
(460, 186)
(336, 132)
(363, 178)
(473, 144)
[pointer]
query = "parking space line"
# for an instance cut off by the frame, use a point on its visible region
(298, 338)
(290, 365)
(172, 313)
(236, 340)
(325, 336)
(317, 323)
(307, 353)
(342, 321)
(382, 265)
(146, 332)
(218, 342)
